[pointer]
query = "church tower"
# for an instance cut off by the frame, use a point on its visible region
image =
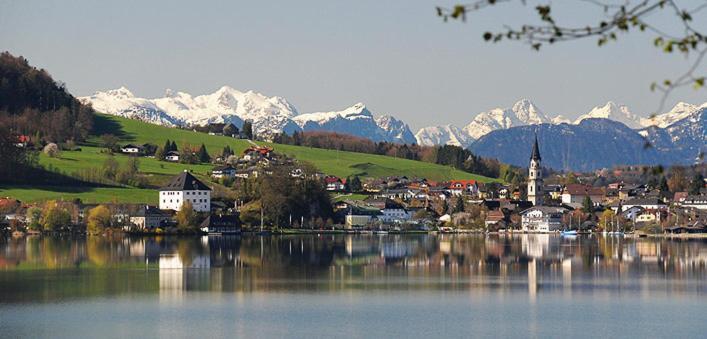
(535, 177)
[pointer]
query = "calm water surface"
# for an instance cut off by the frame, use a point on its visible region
(413, 286)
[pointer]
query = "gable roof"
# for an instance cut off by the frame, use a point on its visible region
(185, 181)
(580, 189)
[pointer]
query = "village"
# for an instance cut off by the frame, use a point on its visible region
(229, 200)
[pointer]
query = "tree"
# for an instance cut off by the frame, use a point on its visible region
(160, 153)
(99, 219)
(167, 146)
(663, 185)
(355, 184)
(52, 150)
(109, 141)
(173, 147)
(34, 218)
(248, 130)
(54, 217)
(613, 19)
(606, 218)
(110, 168)
(458, 205)
(587, 205)
(186, 217)
(697, 183)
(203, 155)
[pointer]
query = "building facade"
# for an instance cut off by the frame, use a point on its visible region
(185, 188)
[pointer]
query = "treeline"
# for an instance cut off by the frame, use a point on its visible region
(33, 104)
(455, 156)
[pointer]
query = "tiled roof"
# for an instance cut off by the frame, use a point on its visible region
(185, 181)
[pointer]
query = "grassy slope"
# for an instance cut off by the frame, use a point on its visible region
(331, 162)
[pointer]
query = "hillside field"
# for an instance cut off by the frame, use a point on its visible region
(331, 162)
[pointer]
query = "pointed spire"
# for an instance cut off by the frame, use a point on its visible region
(535, 154)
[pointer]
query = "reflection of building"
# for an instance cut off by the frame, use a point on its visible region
(542, 219)
(536, 246)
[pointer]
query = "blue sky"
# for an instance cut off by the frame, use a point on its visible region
(395, 56)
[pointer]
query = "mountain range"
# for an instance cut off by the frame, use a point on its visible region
(676, 136)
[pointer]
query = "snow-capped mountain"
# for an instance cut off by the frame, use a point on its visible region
(442, 135)
(615, 112)
(680, 111)
(397, 130)
(523, 112)
(269, 115)
(356, 120)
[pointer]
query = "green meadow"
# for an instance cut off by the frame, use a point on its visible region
(331, 162)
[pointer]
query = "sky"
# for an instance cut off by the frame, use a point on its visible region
(395, 56)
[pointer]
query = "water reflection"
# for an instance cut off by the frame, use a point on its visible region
(49, 268)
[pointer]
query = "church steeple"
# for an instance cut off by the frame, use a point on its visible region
(535, 176)
(535, 154)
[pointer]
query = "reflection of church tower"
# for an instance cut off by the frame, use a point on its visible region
(535, 177)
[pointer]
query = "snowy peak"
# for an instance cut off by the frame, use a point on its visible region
(528, 113)
(523, 112)
(680, 111)
(120, 93)
(359, 121)
(442, 135)
(615, 112)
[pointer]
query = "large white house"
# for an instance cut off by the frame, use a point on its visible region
(185, 188)
(542, 219)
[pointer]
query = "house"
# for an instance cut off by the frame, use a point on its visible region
(221, 224)
(256, 153)
(394, 212)
(131, 149)
(334, 183)
(185, 188)
(495, 220)
(358, 216)
(542, 219)
(695, 201)
(646, 203)
(576, 193)
(172, 156)
(226, 171)
(149, 217)
(22, 141)
(463, 187)
(245, 173)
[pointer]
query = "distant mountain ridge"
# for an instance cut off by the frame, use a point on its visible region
(676, 136)
(269, 115)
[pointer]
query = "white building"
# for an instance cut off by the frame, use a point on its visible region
(394, 213)
(185, 188)
(131, 149)
(542, 219)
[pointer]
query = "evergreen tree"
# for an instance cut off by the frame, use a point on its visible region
(248, 130)
(458, 205)
(203, 154)
(347, 184)
(663, 185)
(587, 205)
(167, 146)
(355, 184)
(173, 147)
(697, 183)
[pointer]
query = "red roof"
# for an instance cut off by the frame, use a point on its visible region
(23, 138)
(461, 183)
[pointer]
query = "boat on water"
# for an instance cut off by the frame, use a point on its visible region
(569, 232)
(381, 232)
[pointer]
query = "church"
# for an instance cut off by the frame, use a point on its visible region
(535, 176)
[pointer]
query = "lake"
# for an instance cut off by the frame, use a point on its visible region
(323, 286)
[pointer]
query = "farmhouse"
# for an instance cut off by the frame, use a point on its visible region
(131, 149)
(221, 224)
(576, 193)
(226, 171)
(185, 188)
(463, 187)
(172, 156)
(149, 217)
